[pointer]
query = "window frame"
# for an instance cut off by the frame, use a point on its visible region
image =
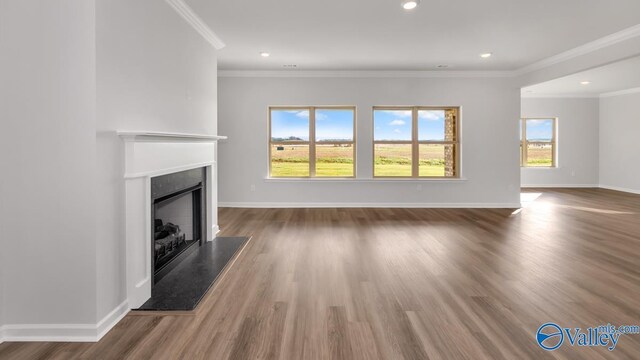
(415, 142)
(524, 142)
(312, 140)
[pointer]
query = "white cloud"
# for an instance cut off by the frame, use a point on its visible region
(397, 131)
(321, 116)
(397, 122)
(539, 122)
(398, 113)
(304, 114)
(431, 115)
(299, 113)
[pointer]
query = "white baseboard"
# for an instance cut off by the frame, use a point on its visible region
(559, 186)
(616, 188)
(370, 205)
(64, 332)
(112, 319)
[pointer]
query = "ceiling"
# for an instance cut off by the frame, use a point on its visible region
(622, 75)
(380, 35)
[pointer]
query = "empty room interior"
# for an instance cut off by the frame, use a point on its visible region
(361, 179)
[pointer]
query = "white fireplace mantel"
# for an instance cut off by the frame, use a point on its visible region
(146, 155)
(166, 136)
(158, 153)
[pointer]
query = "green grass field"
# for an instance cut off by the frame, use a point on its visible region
(337, 161)
(539, 157)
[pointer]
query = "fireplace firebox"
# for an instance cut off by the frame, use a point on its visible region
(177, 218)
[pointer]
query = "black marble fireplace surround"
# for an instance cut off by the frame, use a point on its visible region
(177, 218)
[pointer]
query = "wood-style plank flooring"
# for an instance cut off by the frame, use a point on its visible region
(402, 284)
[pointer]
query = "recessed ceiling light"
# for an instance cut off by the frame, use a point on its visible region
(264, 54)
(410, 4)
(585, 82)
(486, 55)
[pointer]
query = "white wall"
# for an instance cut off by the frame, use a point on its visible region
(577, 141)
(490, 109)
(72, 73)
(619, 145)
(155, 73)
(47, 147)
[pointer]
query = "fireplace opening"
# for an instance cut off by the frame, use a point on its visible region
(177, 218)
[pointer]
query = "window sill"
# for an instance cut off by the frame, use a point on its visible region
(370, 180)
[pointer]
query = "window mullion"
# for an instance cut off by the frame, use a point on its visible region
(415, 147)
(525, 153)
(312, 141)
(553, 143)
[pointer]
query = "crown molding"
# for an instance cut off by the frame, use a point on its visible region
(362, 74)
(559, 96)
(196, 22)
(621, 92)
(585, 49)
(609, 40)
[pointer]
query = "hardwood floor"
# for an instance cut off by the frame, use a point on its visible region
(402, 284)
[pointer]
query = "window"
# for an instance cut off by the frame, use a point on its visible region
(416, 142)
(538, 142)
(312, 141)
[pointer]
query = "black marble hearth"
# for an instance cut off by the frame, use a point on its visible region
(186, 284)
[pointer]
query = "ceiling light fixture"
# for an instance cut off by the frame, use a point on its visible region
(410, 4)
(486, 55)
(264, 54)
(585, 82)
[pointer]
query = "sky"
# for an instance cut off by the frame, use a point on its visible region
(540, 129)
(330, 124)
(286, 123)
(396, 125)
(338, 124)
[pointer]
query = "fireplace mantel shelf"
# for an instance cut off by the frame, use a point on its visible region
(166, 136)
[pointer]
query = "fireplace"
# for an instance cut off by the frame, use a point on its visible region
(148, 157)
(177, 218)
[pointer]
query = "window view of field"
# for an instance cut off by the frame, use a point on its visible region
(293, 142)
(432, 159)
(293, 160)
(334, 160)
(395, 160)
(393, 137)
(539, 155)
(392, 160)
(289, 160)
(539, 141)
(333, 142)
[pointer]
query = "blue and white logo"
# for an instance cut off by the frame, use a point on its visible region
(550, 336)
